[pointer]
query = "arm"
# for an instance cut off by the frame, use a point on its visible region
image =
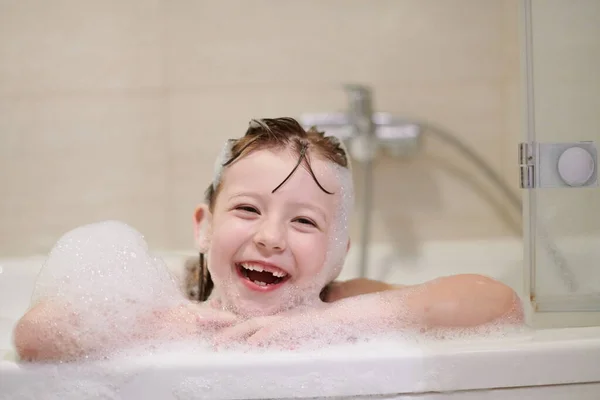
(466, 300)
(51, 331)
(458, 301)
(355, 287)
(46, 332)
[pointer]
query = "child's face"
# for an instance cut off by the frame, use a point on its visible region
(268, 250)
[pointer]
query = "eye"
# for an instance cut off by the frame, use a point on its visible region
(249, 209)
(305, 221)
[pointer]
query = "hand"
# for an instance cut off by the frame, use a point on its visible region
(248, 331)
(355, 287)
(186, 320)
(328, 324)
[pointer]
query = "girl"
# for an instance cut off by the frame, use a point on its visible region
(273, 236)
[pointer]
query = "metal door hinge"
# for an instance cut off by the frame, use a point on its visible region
(558, 165)
(526, 166)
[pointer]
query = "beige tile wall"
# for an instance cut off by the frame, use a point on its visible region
(116, 109)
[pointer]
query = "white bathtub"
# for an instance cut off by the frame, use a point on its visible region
(543, 364)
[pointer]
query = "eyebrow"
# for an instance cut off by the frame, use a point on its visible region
(316, 209)
(242, 194)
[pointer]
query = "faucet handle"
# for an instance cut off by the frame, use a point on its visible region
(360, 108)
(357, 89)
(335, 124)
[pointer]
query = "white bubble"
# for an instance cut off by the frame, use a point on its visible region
(110, 283)
(103, 285)
(104, 258)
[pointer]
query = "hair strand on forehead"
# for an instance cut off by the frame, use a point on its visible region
(300, 158)
(281, 133)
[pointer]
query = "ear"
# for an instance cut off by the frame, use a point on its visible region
(202, 227)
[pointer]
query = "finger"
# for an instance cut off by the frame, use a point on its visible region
(242, 331)
(273, 337)
(218, 319)
(189, 320)
(261, 338)
(239, 331)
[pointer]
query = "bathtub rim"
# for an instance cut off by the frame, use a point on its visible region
(545, 358)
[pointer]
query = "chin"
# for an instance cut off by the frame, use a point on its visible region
(266, 304)
(248, 301)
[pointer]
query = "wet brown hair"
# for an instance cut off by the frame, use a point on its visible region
(273, 134)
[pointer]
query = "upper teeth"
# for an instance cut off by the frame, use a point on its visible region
(256, 267)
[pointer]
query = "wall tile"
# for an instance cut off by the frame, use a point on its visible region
(70, 45)
(71, 161)
(322, 42)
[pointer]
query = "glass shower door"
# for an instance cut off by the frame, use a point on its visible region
(559, 159)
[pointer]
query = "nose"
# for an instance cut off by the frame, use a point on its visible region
(270, 235)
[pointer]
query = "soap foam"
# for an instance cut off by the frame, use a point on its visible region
(118, 295)
(107, 277)
(187, 371)
(103, 285)
(107, 261)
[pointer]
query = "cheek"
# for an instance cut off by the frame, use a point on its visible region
(219, 261)
(228, 236)
(311, 252)
(233, 230)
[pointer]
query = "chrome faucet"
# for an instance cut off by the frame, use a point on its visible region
(364, 132)
(360, 126)
(360, 109)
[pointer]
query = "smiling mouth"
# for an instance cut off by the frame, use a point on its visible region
(261, 276)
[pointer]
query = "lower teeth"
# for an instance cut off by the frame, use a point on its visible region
(259, 283)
